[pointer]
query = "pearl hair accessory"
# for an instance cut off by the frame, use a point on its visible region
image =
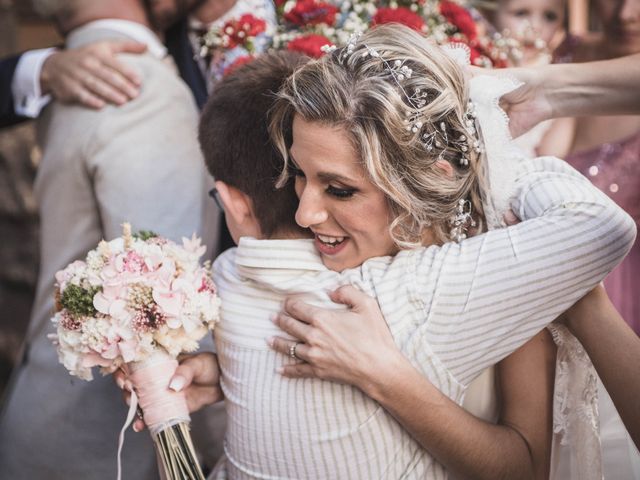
(432, 139)
(461, 221)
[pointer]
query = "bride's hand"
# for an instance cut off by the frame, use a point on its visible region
(197, 375)
(351, 346)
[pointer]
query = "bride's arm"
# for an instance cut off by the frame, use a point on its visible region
(614, 349)
(518, 447)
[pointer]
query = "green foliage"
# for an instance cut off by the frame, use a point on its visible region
(79, 300)
(145, 235)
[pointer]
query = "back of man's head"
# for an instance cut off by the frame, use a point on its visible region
(234, 138)
(70, 14)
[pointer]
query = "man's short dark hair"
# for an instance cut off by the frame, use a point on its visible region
(234, 138)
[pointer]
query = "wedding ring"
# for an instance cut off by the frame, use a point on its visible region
(292, 350)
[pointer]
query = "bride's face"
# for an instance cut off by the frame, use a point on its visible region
(348, 215)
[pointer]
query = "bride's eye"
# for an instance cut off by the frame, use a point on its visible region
(295, 171)
(340, 192)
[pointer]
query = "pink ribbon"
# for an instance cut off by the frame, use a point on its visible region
(161, 406)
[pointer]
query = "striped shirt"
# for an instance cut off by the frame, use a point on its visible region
(453, 310)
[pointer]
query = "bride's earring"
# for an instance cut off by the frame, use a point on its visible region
(461, 221)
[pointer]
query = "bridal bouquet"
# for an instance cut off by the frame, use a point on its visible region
(310, 26)
(134, 304)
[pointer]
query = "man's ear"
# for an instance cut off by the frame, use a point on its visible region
(236, 203)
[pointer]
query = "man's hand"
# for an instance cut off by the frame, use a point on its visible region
(92, 76)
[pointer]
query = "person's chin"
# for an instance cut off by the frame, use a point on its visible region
(338, 259)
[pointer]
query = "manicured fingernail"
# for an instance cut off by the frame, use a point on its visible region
(273, 317)
(128, 386)
(136, 428)
(177, 384)
(270, 341)
(120, 383)
(128, 401)
(280, 370)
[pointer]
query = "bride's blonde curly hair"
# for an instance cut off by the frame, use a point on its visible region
(357, 91)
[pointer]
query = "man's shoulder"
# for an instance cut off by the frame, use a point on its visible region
(225, 261)
(161, 83)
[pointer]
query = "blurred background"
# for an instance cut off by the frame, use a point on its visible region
(21, 29)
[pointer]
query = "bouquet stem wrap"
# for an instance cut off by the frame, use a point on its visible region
(166, 414)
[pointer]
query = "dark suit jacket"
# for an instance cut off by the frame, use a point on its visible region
(177, 42)
(7, 111)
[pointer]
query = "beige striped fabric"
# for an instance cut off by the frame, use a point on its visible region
(453, 310)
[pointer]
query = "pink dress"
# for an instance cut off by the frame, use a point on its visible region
(615, 169)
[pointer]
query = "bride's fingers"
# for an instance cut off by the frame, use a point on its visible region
(297, 370)
(138, 425)
(352, 297)
(302, 311)
(292, 326)
(285, 347)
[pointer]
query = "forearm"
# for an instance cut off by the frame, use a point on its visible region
(614, 350)
(467, 446)
(598, 88)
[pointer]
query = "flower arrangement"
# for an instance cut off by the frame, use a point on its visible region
(135, 303)
(445, 21)
(308, 26)
(240, 38)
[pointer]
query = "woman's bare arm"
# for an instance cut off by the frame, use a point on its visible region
(614, 350)
(608, 87)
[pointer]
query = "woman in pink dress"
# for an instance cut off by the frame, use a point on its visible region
(606, 149)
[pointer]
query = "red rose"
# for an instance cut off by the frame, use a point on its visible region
(238, 62)
(311, 12)
(238, 30)
(400, 15)
(460, 18)
(310, 45)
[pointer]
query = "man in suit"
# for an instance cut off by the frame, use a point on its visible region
(138, 162)
(94, 77)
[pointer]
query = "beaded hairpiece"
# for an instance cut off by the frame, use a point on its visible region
(437, 139)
